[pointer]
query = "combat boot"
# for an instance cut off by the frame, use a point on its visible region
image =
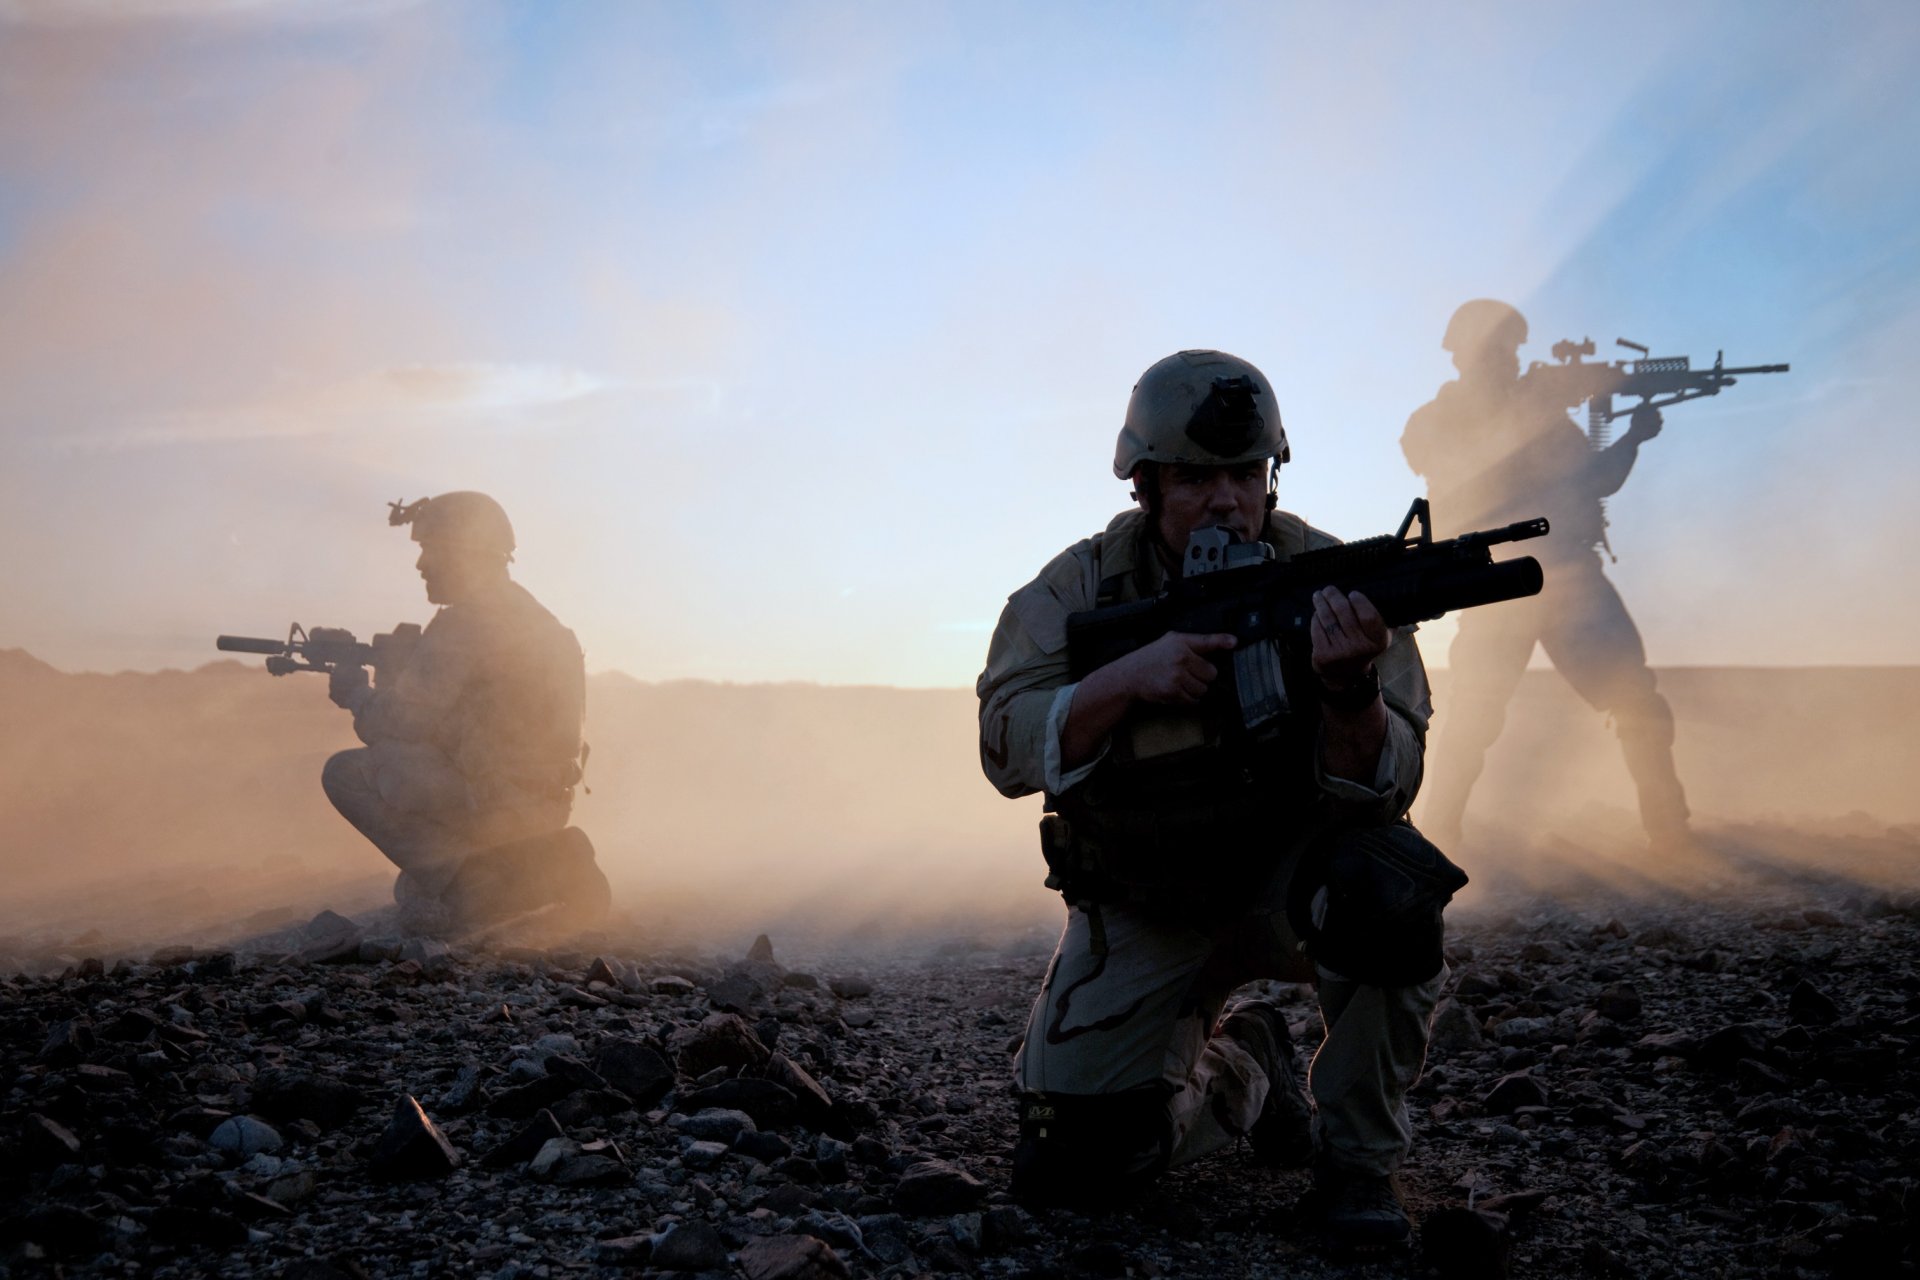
(1283, 1135)
(1360, 1212)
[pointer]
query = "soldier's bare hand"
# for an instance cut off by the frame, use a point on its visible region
(1175, 670)
(1348, 633)
(1645, 424)
(347, 685)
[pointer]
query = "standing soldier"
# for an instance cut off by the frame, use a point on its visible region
(1128, 1066)
(474, 744)
(1494, 448)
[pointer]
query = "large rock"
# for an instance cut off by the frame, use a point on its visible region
(281, 1094)
(245, 1136)
(1618, 1003)
(714, 1125)
(938, 1186)
(768, 1103)
(635, 1069)
(790, 1258)
(67, 1042)
(689, 1246)
(535, 1095)
(412, 1147)
(1456, 1029)
(812, 1106)
(46, 1143)
(1809, 1006)
(1512, 1092)
(525, 1144)
(1723, 1049)
(734, 993)
(330, 938)
(720, 1040)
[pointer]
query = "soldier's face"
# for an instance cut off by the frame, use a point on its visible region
(1201, 497)
(450, 573)
(1488, 363)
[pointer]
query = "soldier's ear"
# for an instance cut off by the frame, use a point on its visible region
(1146, 488)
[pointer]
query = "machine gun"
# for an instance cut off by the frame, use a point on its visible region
(1570, 381)
(1267, 604)
(325, 648)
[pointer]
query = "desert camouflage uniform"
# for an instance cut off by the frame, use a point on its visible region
(1123, 1029)
(474, 743)
(1491, 460)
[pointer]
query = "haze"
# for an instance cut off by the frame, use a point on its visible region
(793, 338)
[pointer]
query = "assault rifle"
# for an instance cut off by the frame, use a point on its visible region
(1570, 381)
(1267, 604)
(324, 648)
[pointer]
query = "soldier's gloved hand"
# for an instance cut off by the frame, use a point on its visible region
(1645, 424)
(1348, 633)
(1174, 670)
(347, 686)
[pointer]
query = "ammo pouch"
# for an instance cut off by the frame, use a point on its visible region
(1184, 862)
(1367, 903)
(1196, 831)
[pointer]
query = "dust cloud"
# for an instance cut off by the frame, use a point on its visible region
(142, 809)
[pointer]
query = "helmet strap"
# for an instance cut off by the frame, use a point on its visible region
(1146, 488)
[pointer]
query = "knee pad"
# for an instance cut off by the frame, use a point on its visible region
(1089, 1149)
(1368, 904)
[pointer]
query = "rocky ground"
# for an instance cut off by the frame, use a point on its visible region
(1621, 1086)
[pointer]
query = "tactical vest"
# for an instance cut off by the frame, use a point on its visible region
(1187, 810)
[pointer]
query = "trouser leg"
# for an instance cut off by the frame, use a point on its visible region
(1488, 657)
(1121, 1073)
(397, 801)
(1230, 1075)
(1375, 1047)
(1595, 645)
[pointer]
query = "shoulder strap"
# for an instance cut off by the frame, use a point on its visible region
(1116, 555)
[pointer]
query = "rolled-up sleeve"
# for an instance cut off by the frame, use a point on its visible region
(1026, 691)
(1396, 779)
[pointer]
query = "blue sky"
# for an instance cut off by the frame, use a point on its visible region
(794, 337)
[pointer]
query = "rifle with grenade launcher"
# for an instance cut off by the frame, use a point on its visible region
(1267, 604)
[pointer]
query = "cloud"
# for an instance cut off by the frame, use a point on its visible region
(417, 396)
(82, 13)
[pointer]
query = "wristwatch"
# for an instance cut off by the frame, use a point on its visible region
(1357, 696)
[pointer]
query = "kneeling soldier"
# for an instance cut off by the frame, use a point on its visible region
(474, 744)
(1174, 838)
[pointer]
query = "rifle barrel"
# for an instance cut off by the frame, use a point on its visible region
(1518, 531)
(249, 644)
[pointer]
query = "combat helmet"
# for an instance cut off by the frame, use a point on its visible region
(1200, 408)
(462, 518)
(1482, 323)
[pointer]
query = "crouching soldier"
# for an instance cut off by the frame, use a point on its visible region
(1175, 841)
(473, 745)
